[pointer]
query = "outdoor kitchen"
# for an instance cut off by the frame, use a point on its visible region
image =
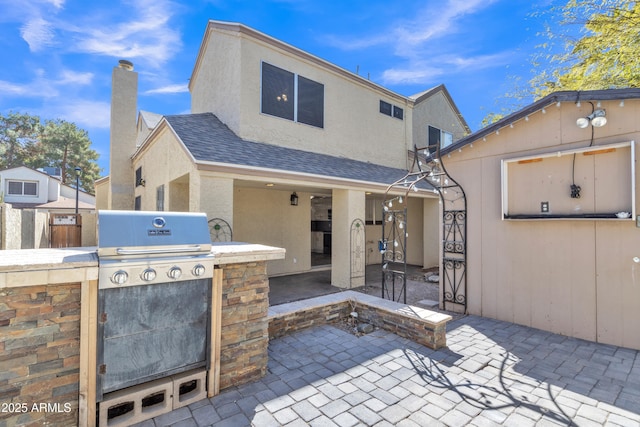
(152, 319)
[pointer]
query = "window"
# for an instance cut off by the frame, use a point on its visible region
(437, 138)
(385, 108)
(391, 110)
(310, 102)
(292, 97)
(22, 188)
(160, 198)
(398, 112)
(139, 180)
(138, 203)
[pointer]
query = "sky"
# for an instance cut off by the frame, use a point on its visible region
(58, 55)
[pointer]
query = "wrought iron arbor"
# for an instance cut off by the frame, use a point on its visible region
(427, 173)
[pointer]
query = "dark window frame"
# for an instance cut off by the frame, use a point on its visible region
(398, 112)
(291, 96)
(139, 176)
(386, 108)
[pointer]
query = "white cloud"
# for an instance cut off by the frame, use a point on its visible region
(12, 88)
(85, 114)
(38, 34)
(145, 34)
(411, 75)
(175, 88)
(74, 78)
(423, 72)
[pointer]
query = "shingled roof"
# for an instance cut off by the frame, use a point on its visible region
(210, 140)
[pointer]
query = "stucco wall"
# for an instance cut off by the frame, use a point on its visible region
(434, 111)
(267, 217)
(228, 84)
(163, 162)
(573, 277)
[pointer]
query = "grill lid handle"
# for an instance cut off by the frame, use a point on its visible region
(167, 250)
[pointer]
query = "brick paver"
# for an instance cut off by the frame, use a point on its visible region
(492, 373)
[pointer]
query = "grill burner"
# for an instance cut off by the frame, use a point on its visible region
(154, 296)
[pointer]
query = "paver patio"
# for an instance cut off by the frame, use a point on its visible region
(492, 373)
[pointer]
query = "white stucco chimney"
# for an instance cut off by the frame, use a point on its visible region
(124, 99)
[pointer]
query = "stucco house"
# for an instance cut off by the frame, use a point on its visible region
(552, 227)
(23, 187)
(281, 148)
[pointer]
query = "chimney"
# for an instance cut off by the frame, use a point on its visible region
(124, 98)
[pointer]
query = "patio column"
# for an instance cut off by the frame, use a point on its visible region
(347, 205)
(216, 197)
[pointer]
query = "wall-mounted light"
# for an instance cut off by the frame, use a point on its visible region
(596, 119)
(294, 199)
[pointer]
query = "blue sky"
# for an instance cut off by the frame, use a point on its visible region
(59, 54)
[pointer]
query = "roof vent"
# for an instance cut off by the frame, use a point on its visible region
(127, 65)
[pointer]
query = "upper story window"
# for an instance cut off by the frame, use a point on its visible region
(22, 188)
(438, 137)
(139, 179)
(391, 110)
(291, 96)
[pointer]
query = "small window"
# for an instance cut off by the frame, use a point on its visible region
(438, 138)
(30, 189)
(15, 188)
(138, 203)
(22, 188)
(160, 198)
(139, 180)
(385, 108)
(398, 112)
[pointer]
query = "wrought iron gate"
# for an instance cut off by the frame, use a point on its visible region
(427, 173)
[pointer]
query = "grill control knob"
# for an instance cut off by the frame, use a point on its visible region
(174, 272)
(198, 270)
(119, 277)
(148, 274)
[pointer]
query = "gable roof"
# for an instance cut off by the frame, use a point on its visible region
(553, 98)
(422, 96)
(211, 141)
(243, 30)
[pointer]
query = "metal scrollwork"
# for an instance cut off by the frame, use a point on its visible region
(220, 230)
(429, 174)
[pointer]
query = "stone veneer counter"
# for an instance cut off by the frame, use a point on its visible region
(48, 315)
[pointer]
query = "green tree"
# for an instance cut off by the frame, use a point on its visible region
(66, 146)
(588, 45)
(25, 141)
(603, 56)
(19, 135)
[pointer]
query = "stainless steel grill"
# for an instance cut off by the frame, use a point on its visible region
(154, 293)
